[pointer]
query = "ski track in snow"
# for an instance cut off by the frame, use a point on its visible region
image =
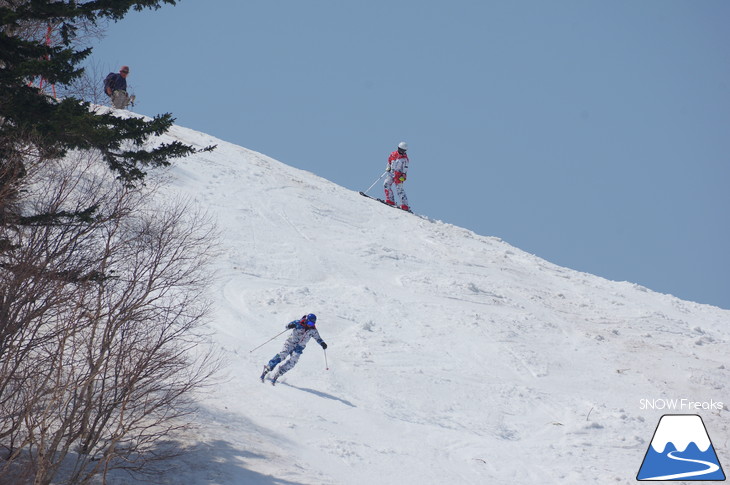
(454, 357)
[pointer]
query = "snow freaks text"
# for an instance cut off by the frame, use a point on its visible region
(684, 405)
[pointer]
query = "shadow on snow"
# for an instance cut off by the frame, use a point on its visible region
(319, 394)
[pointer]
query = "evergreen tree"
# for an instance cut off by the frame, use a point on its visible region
(35, 125)
(100, 290)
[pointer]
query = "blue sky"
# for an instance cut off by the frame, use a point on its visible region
(594, 134)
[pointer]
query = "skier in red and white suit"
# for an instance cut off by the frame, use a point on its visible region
(397, 170)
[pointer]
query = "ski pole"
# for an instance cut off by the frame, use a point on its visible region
(376, 181)
(327, 366)
(272, 338)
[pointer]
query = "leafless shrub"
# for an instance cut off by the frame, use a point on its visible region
(100, 317)
(89, 86)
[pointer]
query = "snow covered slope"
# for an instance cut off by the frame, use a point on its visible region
(453, 357)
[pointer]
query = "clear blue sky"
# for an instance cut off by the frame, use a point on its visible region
(595, 134)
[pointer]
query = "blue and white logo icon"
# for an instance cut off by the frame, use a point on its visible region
(681, 450)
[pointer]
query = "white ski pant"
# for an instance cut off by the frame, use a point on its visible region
(120, 99)
(388, 184)
(292, 350)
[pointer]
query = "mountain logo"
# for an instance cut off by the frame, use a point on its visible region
(681, 450)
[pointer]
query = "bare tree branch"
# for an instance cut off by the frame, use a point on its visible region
(99, 369)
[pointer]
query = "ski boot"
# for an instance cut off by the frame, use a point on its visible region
(266, 371)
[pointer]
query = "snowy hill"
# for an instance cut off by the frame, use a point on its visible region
(453, 357)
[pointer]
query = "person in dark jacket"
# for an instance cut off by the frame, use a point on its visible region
(115, 86)
(304, 329)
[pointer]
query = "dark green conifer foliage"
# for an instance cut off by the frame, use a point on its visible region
(32, 121)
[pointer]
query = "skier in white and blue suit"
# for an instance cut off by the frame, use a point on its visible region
(304, 329)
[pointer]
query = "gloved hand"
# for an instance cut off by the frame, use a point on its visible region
(291, 325)
(324, 345)
(388, 168)
(399, 177)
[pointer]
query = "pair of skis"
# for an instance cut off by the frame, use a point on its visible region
(271, 379)
(384, 202)
(364, 194)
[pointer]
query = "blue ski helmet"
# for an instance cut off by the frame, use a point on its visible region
(311, 319)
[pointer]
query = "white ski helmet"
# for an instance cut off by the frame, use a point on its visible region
(403, 145)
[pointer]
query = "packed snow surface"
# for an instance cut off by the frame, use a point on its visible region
(454, 358)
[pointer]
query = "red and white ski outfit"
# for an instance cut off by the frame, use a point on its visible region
(397, 170)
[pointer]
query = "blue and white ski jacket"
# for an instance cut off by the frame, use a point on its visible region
(301, 335)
